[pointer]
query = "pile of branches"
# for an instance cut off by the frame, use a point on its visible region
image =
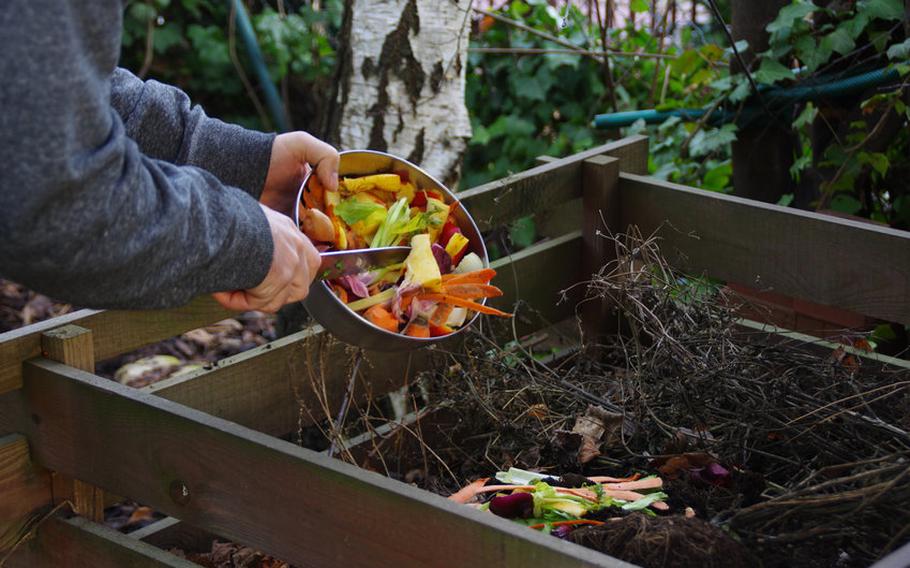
(827, 431)
(815, 439)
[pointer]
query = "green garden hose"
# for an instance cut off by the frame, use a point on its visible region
(775, 97)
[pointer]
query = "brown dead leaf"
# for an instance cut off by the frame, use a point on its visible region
(538, 411)
(592, 427)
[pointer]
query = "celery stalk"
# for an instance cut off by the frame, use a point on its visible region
(384, 296)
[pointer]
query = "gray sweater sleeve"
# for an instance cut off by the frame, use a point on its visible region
(165, 125)
(85, 216)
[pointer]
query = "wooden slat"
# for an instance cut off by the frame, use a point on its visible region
(543, 187)
(261, 491)
(264, 387)
(24, 488)
(80, 543)
(600, 197)
(114, 332)
(837, 262)
(535, 278)
(12, 413)
(172, 533)
(822, 346)
(72, 345)
(900, 558)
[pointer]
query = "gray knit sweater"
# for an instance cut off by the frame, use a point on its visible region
(116, 192)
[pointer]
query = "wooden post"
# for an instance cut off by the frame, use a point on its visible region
(24, 488)
(600, 217)
(72, 345)
(763, 152)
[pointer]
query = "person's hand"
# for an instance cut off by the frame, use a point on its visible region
(292, 155)
(295, 263)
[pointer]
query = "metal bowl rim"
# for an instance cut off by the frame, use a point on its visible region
(453, 201)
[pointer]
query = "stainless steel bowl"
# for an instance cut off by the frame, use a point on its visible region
(329, 311)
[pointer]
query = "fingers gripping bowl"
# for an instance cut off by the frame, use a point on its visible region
(436, 293)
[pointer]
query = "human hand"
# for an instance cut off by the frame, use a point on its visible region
(295, 263)
(292, 155)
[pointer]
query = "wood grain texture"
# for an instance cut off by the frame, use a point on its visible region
(600, 210)
(293, 503)
(79, 543)
(72, 345)
(837, 262)
(172, 533)
(270, 388)
(543, 187)
(533, 279)
(114, 332)
(266, 388)
(24, 487)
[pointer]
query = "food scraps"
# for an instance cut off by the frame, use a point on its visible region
(559, 505)
(437, 288)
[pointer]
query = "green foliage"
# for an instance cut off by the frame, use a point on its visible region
(523, 106)
(190, 48)
(528, 106)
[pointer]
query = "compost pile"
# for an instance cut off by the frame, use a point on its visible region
(800, 453)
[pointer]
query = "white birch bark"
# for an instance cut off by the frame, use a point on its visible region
(402, 83)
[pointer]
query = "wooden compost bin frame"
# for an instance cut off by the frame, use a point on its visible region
(203, 447)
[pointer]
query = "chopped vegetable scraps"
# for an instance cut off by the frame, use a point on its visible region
(441, 283)
(540, 502)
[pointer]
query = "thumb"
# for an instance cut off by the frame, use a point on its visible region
(235, 300)
(327, 172)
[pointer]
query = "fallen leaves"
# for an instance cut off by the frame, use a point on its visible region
(592, 430)
(231, 555)
(20, 306)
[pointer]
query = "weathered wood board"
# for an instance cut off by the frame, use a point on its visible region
(255, 489)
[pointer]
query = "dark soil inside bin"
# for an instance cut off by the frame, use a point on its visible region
(788, 454)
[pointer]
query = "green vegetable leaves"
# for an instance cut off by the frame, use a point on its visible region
(397, 216)
(517, 476)
(353, 210)
(645, 501)
(399, 223)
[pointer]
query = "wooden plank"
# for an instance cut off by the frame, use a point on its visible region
(264, 388)
(261, 491)
(72, 345)
(600, 209)
(533, 280)
(837, 262)
(822, 345)
(267, 388)
(900, 558)
(499, 202)
(80, 543)
(12, 413)
(172, 533)
(24, 487)
(114, 332)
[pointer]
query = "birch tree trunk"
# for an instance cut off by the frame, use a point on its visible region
(401, 82)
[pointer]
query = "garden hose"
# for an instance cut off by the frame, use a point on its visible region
(272, 100)
(775, 97)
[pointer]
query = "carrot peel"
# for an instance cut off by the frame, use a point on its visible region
(464, 303)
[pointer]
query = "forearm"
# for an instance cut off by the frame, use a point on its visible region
(84, 215)
(138, 234)
(166, 126)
